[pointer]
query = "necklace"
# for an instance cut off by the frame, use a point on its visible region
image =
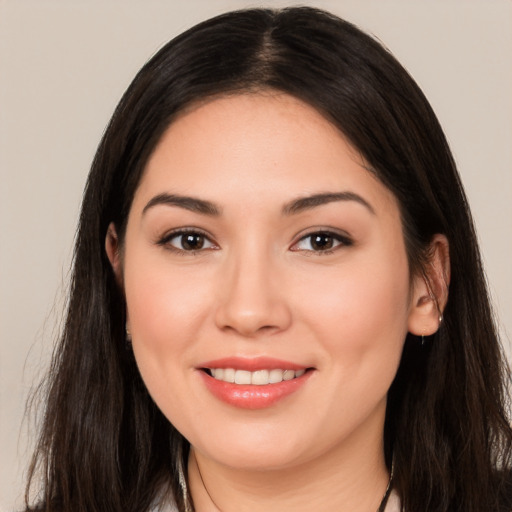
(188, 507)
(384, 501)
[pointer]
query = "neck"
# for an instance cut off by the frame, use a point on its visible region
(349, 478)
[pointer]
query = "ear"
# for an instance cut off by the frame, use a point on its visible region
(430, 290)
(113, 252)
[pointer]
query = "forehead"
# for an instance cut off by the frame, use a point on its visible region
(257, 145)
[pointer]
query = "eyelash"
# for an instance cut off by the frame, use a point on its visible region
(165, 241)
(343, 241)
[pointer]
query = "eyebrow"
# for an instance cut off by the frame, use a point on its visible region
(306, 203)
(188, 203)
(293, 207)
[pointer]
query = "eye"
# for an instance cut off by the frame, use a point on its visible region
(321, 241)
(187, 241)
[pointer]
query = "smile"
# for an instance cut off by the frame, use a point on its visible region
(253, 383)
(257, 378)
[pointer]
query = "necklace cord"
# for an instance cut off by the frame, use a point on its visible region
(381, 508)
(204, 485)
(384, 501)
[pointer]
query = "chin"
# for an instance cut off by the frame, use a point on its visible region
(255, 459)
(252, 450)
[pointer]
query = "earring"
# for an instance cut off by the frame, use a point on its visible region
(422, 340)
(128, 336)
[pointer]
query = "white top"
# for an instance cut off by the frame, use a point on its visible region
(393, 504)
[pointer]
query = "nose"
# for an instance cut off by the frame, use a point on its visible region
(252, 299)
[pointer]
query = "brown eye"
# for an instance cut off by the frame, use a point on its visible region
(192, 241)
(321, 241)
(187, 241)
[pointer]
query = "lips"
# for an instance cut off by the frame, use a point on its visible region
(253, 383)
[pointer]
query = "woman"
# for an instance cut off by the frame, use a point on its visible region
(277, 300)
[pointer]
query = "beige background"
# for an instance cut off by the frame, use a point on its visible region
(64, 65)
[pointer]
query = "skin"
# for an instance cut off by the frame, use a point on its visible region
(258, 287)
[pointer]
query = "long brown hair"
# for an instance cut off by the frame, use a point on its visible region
(104, 445)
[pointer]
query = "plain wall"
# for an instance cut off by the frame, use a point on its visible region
(64, 65)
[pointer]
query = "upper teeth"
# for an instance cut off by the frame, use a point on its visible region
(259, 377)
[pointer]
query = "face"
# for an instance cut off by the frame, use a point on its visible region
(267, 285)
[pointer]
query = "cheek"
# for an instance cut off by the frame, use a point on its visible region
(361, 308)
(166, 311)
